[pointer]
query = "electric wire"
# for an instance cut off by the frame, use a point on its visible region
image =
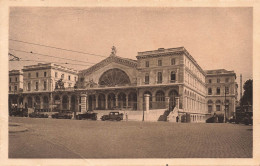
(64, 49)
(50, 56)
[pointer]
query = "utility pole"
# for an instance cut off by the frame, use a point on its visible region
(240, 86)
(225, 105)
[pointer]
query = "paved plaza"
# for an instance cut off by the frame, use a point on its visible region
(62, 138)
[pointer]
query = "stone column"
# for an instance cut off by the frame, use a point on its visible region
(116, 101)
(78, 104)
(126, 98)
(177, 102)
(146, 96)
(41, 102)
(83, 102)
(96, 96)
(167, 103)
(69, 97)
(106, 106)
(87, 103)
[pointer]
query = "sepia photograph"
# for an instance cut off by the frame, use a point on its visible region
(130, 82)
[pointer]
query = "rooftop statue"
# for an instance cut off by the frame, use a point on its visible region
(113, 52)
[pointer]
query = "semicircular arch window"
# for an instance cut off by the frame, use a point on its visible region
(114, 77)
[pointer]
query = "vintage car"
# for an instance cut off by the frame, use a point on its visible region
(36, 114)
(113, 116)
(87, 115)
(21, 112)
(63, 114)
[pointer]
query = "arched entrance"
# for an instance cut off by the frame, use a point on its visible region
(45, 102)
(73, 103)
(101, 101)
(91, 102)
(114, 77)
(37, 103)
(121, 100)
(111, 101)
(29, 100)
(132, 100)
(172, 96)
(21, 102)
(65, 102)
(160, 99)
(57, 103)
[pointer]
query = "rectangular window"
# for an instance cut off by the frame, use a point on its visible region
(147, 64)
(146, 79)
(15, 88)
(10, 89)
(159, 62)
(16, 79)
(210, 81)
(159, 77)
(68, 77)
(29, 86)
(37, 74)
(173, 61)
(56, 74)
(217, 107)
(81, 79)
(36, 86)
(218, 91)
(209, 91)
(218, 80)
(10, 79)
(29, 75)
(44, 85)
(173, 76)
(45, 74)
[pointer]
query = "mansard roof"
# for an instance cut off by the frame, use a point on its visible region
(123, 61)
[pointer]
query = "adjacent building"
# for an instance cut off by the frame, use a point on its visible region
(221, 92)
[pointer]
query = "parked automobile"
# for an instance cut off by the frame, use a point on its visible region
(113, 116)
(21, 112)
(63, 114)
(36, 114)
(87, 115)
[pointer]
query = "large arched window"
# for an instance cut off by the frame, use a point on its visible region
(114, 77)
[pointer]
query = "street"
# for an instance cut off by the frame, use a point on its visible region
(62, 138)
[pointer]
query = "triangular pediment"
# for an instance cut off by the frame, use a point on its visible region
(111, 59)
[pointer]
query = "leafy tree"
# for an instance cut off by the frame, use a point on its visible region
(247, 98)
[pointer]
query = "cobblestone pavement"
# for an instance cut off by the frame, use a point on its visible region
(61, 138)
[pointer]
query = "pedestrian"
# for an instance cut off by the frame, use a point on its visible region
(177, 119)
(126, 117)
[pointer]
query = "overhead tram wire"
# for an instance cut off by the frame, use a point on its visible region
(64, 49)
(53, 62)
(50, 56)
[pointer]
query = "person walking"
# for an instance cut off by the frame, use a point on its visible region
(126, 117)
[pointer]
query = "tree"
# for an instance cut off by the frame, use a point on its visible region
(247, 98)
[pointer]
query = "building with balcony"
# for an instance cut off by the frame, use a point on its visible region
(221, 91)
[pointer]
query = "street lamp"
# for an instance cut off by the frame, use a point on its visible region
(225, 105)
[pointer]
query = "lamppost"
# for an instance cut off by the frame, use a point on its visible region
(225, 104)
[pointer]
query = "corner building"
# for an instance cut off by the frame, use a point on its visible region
(222, 92)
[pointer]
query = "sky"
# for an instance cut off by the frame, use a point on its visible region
(217, 38)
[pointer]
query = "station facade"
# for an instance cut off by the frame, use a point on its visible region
(118, 83)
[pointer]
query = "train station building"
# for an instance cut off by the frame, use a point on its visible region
(171, 78)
